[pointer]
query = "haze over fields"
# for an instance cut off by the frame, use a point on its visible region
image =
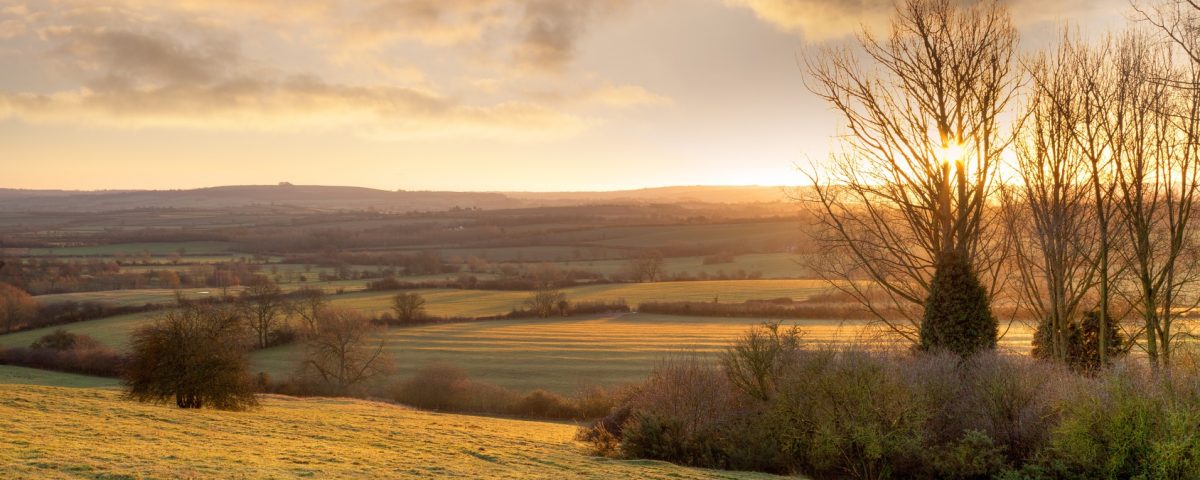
(357, 198)
(559, 239)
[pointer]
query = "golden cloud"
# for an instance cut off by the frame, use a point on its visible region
(129, 65)
(821, 20)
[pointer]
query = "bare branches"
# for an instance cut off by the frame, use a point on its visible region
(919, 161)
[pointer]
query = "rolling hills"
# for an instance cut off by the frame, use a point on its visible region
(359, 198)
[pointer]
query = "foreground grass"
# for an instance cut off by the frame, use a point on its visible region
(51, 432)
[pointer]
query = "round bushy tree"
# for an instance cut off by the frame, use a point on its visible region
(957, 315)
(196, 354)
(1083, 342)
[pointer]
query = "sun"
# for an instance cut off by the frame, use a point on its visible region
(952, 153)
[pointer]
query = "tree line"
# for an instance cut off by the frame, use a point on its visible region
(971, 178)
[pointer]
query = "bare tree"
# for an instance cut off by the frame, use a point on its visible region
(1095, 80)
(545, 302)
(307, 304)
(408, 306)
(919, 159)
(1154, 129)
(264, 307)
(1179, 20)
(646, 266)
(343, 351)
(1049, 211)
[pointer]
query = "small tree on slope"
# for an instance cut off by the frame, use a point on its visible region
(957, 315)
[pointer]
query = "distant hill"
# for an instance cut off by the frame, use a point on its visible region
(684, 194)
(358, 198)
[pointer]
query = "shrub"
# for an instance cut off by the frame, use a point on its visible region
(547, 302)
(60, 313)
(1083, 342)
(1131, 423)
(849, 414)
(85, 356)
(543, 404)
(17, 308)
(437, 386)
(974, 456)
(957, 313)
(600, 440)
(445, 387)
(409, 307)
(196, 355)
(755, 362)
(774, 309)
(61, 339)
(678, 414)
(852, 413)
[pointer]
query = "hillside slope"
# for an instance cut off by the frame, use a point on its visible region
(53, 432)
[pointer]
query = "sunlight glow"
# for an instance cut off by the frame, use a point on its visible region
(952, 153)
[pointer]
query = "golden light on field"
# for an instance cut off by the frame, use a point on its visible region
(95, 431)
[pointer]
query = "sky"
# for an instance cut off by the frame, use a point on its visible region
(491, 95)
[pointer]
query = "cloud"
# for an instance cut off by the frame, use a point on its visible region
(820, 19)
(550, 29)
(602, 94)
(143, 57)
(288, 104)
(133, 65)
(830, 19)
(538, 35)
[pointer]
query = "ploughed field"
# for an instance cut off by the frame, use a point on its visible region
(57, 432)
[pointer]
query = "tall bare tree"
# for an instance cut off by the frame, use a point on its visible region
(344, 351)
(919, 161)
(1049, 211)
(264, 307)
(1095, 80)
(307, 304)
(1154, 129)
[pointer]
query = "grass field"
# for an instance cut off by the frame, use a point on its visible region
(111, 331)
(49, 432)
(143, 296)
(491, 302)
(564, 354)
(488, 302)
(153, 248)
(538, 253)
(114, 331)
(32, 376)
(770, 265)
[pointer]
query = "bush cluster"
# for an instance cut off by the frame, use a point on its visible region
(572, 308)
(66, 352)
(445, 387)
(775, 308)
(855, 413)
